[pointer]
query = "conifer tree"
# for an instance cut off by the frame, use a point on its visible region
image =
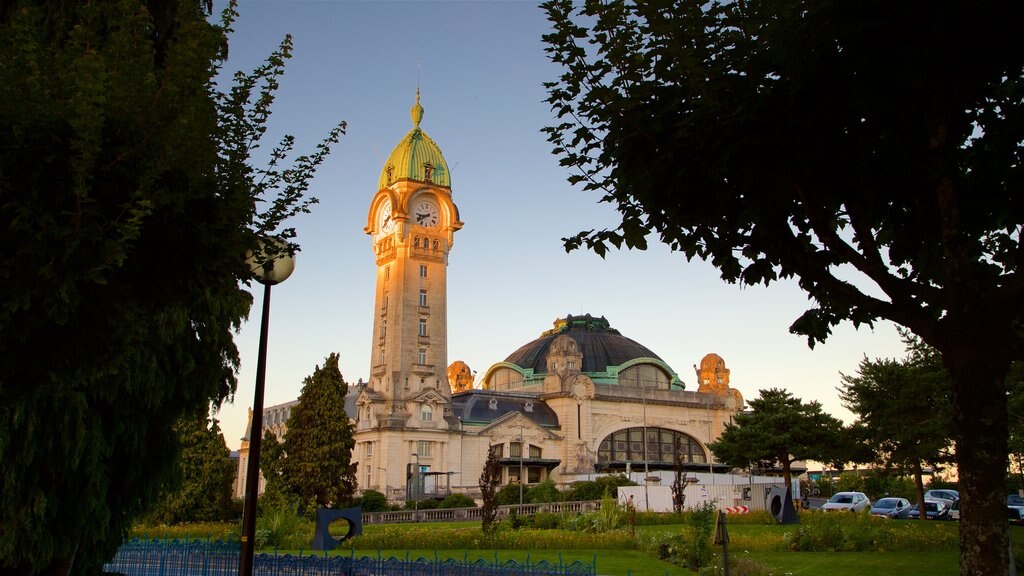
(317, 463)
(490, 478)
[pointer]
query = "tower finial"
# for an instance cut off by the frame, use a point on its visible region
(417, 110)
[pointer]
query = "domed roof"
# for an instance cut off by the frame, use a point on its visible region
(600, 344)
(416, 157)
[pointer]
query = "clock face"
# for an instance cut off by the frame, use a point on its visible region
(384, 221)
(425, 213)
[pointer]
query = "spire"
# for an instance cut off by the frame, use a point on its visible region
(417, 111)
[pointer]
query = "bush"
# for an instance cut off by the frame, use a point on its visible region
(596, 489)
(457, 501)
(508, 494)
(545, 521)
(372, 501)
(544, 492)
(282, 529)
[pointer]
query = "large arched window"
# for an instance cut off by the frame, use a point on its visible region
(506, 379)
(662, 446)
(644, 376)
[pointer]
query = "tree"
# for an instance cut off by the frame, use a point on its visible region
(778, 430)
(203, 492)
(1015, 410)
(869, 150)
(128, 202)
(276, 494)
(903, 412)
(317, 463)
(490, 479)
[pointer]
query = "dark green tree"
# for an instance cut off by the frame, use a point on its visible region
(128, 201)
(904, 416)
(870, 150)
(203, 490)
(1015, 413)
(778, 430)
(490, 479)
(275, 492)
(317, 464)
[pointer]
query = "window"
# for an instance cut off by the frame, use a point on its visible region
(513, 474)
(384, 302)
(369, 448)
(416, 242)
(369, 414)
(423, 327)
(499, 450)
(423, 448)
(533, 475)
(384, 328)
(422, 356)
(426, 413)
(572, 364)
(423, 270)
(515, 449)
(423, 297)
(663, 445)
(387, 274)
(534, 451)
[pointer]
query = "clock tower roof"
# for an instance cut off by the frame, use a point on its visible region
(416, 157)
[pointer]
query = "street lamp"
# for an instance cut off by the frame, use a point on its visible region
(416, 483)
(268, 269)
(521, 478)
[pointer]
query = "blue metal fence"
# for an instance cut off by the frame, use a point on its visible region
(219, 558)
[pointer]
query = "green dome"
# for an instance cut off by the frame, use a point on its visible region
(416, 157)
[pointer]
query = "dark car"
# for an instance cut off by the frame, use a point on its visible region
(1015, 500)
(935, 509)
(1016, 514)
(897, 508)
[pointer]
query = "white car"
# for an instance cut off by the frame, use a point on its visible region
(946, 495)
(852, 501)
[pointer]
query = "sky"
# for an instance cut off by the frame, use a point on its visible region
(480, 67)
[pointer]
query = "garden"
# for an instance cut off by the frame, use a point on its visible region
(639, 544)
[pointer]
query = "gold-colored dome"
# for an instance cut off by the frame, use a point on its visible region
(416, 157)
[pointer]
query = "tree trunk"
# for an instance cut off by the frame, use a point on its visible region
(919, 484)
(978, 363)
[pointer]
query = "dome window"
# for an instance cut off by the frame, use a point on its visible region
(428, 171)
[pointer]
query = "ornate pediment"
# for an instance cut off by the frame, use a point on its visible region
(369, 396)
(430, 396)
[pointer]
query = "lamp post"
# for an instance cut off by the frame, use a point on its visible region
(522, 442)
(268, 269)
(647, 472)
(416, 484)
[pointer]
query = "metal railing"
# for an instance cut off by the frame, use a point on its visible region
(219, 558)
(462, 514)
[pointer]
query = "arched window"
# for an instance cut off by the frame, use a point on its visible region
(644, 375)
(663, 446)
(426, 413)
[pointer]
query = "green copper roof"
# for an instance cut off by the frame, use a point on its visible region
(416, 157)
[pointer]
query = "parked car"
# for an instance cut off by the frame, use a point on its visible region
(954, 511)
(935, 509)
(852, 501)
(1015, 500)
(896, 508)
(946, 495)
(1016, 514)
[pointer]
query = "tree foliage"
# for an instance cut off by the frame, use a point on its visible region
(317, 450)
(872, 151)
(128, 202)
(204, 489)
(490, 479)
(904, 415)
(778, 430)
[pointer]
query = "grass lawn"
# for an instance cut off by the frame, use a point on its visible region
(944, 563)
(609, 562)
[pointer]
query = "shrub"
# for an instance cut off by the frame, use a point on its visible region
(282, 529)
(545, 521)
(457, 501)
(850, 482)
(508, 494)
(372, 501)
(596, 489)
(546, 491)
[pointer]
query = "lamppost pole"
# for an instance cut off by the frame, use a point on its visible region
(647, 472)
(522, 443)
(274, 270)
(416, 484)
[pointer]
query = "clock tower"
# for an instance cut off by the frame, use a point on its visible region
(412, 221)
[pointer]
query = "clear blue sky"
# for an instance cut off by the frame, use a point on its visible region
(480, 66)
